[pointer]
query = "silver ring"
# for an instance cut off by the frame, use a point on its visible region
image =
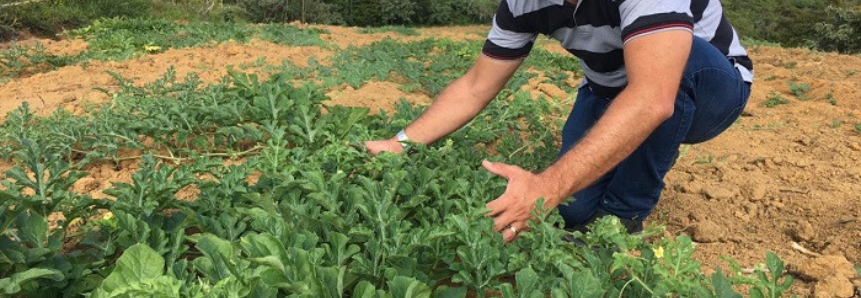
(513, 229)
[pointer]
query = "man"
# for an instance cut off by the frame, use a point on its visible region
(659, 73)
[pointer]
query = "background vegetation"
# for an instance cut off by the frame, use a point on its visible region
(821, 24)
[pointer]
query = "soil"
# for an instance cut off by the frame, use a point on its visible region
(784, 174)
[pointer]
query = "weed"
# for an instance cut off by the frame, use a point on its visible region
(775, 100)
(790, 65)
(705, 159)
(830, 99)
(799, 90)
(851, 72)
(858, 127)
(836, 123)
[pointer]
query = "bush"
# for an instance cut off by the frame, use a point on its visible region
(279, 11)
(840, 32)
(51, 16)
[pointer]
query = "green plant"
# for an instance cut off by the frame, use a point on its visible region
(301, 209)
(17, 61)
(836, 123)
(858, 127)
(799, 90)
(775, 100)
(401, 30)
(829, 97)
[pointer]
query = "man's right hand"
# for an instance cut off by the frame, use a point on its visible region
(390, 145)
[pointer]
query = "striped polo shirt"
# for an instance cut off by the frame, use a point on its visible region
(596, 31)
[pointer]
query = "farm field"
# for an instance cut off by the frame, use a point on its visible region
(207, 159)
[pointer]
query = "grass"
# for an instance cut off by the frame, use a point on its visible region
(858, 127)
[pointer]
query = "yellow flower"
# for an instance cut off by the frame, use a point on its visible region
(108, 215)
(151, 48)
(659, 252)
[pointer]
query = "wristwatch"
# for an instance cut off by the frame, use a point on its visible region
(402, 138)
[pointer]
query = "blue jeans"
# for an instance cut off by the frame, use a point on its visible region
(711, 97)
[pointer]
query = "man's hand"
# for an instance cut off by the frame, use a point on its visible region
(514, 208)
(390, 145)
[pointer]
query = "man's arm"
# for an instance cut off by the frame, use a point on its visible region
(459, 103)
(655, 64)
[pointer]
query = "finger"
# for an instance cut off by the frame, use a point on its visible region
(510, 234)
(502, 221)
(496, 206)
(499, 169)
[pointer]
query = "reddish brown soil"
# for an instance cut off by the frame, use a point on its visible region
(782, 174)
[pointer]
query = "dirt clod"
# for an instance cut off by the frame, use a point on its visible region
(706, 232)
(86, 185)
(719, 193)
(823, 267)
(803, 231)
(834, 286)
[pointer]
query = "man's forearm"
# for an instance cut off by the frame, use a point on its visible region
(628, 121)
(455, 106)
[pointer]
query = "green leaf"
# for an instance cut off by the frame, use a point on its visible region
(756, 293)
(32, 228)
(12, 285)
(774, 264)
(723, 287)
(449, 292)
(138, 263)
(365, 289)
(527, 283)
(406, 287)
(217, 262)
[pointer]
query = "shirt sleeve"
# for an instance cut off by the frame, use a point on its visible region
(644, 17)
(509, 38)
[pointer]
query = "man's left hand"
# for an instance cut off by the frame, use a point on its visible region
(513, 209)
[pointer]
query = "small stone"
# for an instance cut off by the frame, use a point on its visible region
(803, 231)
(706, 232)
(834, 286)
